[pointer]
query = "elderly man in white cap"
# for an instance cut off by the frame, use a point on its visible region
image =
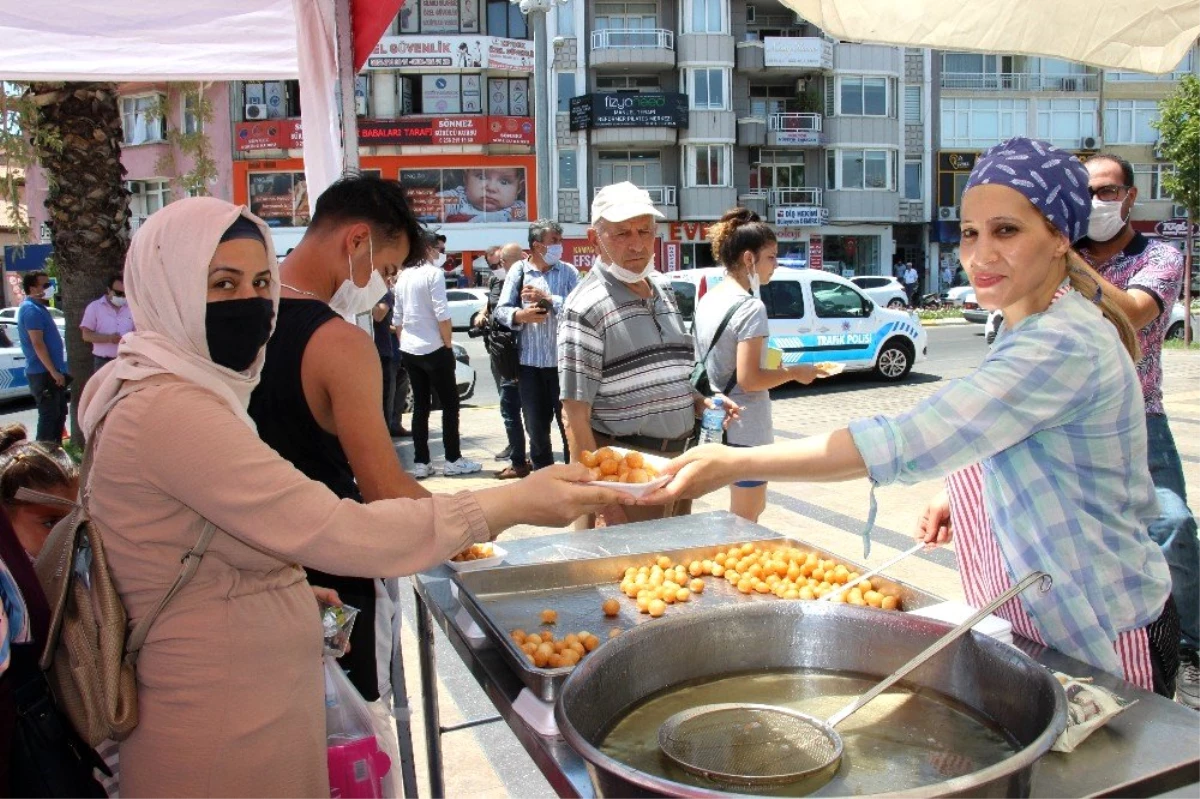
(624, 355)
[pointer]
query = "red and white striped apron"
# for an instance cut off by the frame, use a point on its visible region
(985, 575)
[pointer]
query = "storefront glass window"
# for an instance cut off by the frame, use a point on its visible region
(853, 255)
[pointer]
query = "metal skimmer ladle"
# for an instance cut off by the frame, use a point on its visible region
(763, 744)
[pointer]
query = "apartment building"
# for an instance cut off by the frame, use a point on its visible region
(710, 104)
(445, 105)
(985, 98)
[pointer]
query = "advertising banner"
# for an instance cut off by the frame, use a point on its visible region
(451, 52)
(279, 198)
(628, 109)
(272, 134)
(473, 194)
(797, 138)
(796, 51)
(284, 134)
(816, 252)
(800, 216)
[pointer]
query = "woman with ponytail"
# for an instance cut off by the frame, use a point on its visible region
(1052, 422)
(733, 352)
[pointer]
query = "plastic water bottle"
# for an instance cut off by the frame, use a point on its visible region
(712, 423)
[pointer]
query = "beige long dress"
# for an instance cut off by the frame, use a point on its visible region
(230, 688)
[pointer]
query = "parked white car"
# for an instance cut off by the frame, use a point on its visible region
(816, 316)
(464, 377)
(465, 303)
(954, 297)
(8, 322)
(13, 383)
(884, 290)
(1175, 326)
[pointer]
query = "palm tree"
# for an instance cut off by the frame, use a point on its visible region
(79, 150)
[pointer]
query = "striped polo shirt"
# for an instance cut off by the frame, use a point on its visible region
(628, 357)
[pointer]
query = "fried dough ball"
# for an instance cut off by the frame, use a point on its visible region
(588, 459)
(609, 467)
(697, 586)
(657, 608)
(611, 607)
(549, 616)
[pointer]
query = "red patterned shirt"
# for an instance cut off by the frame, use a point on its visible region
(1155, 267)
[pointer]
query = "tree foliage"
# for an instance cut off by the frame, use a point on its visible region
(1179, 140)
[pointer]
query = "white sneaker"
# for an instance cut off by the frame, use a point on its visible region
(461, 466)
(1187, 687)
(421, 470)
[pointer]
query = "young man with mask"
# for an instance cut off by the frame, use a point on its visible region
(422, 320)
(531, 303)
(105, 320)
(1144, 276)
(45, 356)
(318, 400)
(624, 355)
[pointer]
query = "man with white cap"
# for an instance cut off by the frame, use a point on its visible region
(624, 355)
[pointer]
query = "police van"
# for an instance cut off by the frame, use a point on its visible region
(817, 316)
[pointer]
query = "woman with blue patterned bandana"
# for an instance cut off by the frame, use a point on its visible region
(1053, 415)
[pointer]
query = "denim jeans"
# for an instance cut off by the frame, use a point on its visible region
(510, 413)
(433, 373)
(1175, 528)
(51, 402)
(541, 405)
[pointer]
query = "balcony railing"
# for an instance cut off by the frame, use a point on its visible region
(794, 121)
(659, 195)
(645, 38)
(1020, 82)
(782, 198)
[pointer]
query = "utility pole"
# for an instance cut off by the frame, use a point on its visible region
(535, 12)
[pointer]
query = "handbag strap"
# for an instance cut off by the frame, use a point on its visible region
(717, 337)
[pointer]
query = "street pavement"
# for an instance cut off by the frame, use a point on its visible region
(488, 761)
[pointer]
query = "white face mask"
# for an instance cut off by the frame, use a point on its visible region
(48, 293)
(621, 273)
(1105, 222)
(352, 299)
(553, 253)
(439, 260)
(118, 302)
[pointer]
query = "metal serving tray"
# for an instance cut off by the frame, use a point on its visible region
(506, 598)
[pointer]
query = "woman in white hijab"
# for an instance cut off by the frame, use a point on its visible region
(229, 679)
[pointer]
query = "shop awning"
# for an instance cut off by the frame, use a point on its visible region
(1137, 35)
(197, 40)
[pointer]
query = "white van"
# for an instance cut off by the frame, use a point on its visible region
(818, 316)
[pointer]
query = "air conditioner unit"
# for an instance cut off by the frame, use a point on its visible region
(751, 13)
(1178, 211)
(801, 85)
(1089, 143)
(360, 106)
(256, 111)
(948, 213)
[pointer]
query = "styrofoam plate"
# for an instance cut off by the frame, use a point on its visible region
(498, 555)
(637, 489)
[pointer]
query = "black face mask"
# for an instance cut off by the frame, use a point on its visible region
(236, 330)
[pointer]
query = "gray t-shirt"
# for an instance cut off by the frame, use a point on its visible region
(749, 322)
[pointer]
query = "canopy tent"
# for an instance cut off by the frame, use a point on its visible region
(1134, 35)
(185, 40)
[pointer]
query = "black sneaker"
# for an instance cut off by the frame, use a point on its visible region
(504, 454)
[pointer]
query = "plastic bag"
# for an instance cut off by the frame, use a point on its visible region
(1089, 707)
(356, 764)
(337, 622)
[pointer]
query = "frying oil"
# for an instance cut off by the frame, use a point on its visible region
(899, 741)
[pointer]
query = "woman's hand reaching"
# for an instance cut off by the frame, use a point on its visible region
(934, 525)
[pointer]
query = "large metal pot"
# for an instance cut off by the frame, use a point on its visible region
(993, 679)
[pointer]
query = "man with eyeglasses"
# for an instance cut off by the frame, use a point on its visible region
(1144, 277)
(624, 355)
(105, 320)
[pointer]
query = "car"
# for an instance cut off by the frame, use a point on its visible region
(13, 382)
(954, 296)
(816, 316)
(1175, 326)
(883, 289)
(971, 310)
(991, 327)
(464, 304)
(464, 378)
(8, 321)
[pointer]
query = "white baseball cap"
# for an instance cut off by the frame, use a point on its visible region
(622, 201)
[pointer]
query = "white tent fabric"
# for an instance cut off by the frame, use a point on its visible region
(1136, 35)
(186, 40)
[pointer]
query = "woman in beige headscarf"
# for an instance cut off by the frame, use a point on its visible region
(229, 679)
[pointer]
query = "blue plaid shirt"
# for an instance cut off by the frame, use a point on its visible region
(539, 342)
(1055, 416)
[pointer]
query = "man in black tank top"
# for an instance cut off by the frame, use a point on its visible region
(317, 403)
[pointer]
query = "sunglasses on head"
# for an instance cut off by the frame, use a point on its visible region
(1108, 193)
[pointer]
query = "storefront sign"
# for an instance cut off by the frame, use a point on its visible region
(579, 253)
(816, 252)
(1176, 228)
(672, 256)
(793, 51)
(802, 216)
(451, 52)
(510, 130)
(273, 134)
(956, 162)
(279, 198)
(627, 109)
(441, 94)
(439, 16)
(473, 194)
(797, 138)
(687, 231)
